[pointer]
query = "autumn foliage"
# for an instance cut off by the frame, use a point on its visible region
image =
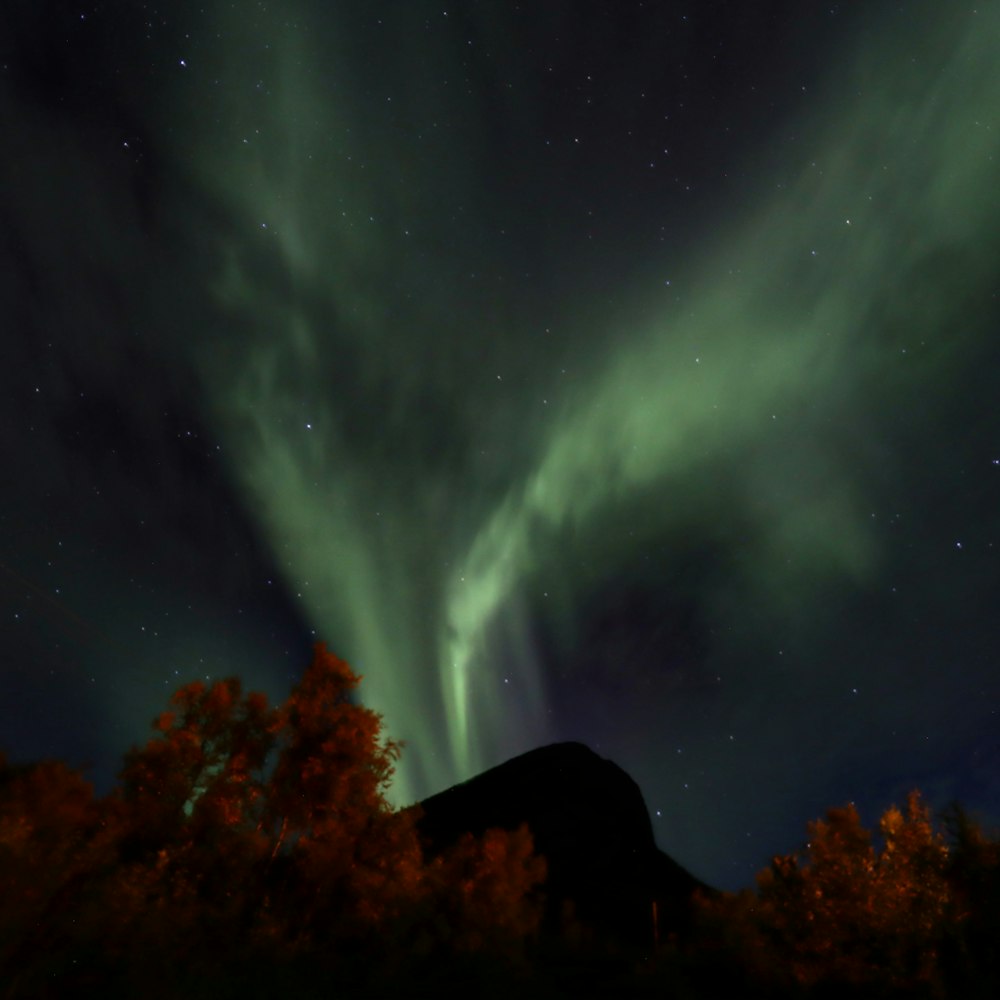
(246, 846)
(904, 912)
(249, 850)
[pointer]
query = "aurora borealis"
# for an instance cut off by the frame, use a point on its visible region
(602, 371)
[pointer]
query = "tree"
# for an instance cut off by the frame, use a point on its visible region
(204, 771)
(846, 912)
(483, 890)
(242, 841)
(334, 767)
(353, 861)
(913, 893)
(971, 957)
(48, 825)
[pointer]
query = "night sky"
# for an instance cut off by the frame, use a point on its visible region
(611, 371)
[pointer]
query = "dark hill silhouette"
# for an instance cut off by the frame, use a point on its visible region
(591, 824)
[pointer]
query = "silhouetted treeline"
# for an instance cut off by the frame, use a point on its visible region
(249, 851)
(911, 911)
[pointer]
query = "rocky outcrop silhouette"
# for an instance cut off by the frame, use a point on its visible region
(589, 820)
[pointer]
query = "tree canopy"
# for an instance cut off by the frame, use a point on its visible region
(243, 837)
(903, 912)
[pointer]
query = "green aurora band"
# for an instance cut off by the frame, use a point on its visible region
(421, 498)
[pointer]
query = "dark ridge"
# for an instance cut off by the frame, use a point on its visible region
(590, 822)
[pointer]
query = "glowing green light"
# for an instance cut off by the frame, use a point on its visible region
(838, 283)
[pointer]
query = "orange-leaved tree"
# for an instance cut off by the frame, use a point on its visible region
(204, 772)
(355, 860)
(850, 913)
(241, 836)
(483, 891)
(50, 840)
(277, 821)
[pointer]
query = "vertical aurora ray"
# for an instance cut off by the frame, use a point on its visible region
(353, 406)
